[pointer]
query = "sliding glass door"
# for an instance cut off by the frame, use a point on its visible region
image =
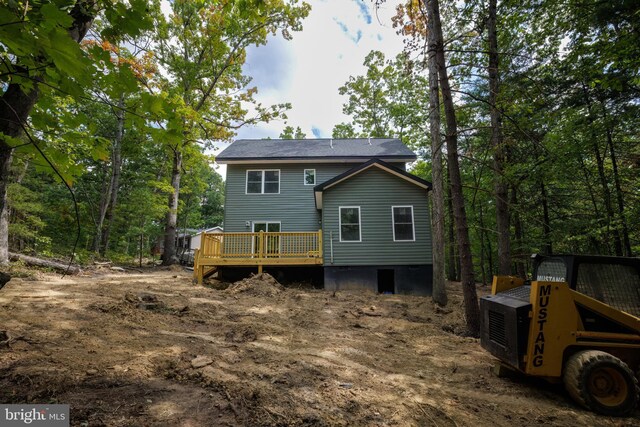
(271, 244)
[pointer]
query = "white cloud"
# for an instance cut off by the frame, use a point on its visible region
(308, 70)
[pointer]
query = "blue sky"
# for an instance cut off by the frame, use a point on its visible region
(308, 70)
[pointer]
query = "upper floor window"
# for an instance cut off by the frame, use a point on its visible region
(350, 224)
(309, 177)
(403, 223)
(263, 181)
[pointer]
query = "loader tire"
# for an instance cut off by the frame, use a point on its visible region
(601, 382)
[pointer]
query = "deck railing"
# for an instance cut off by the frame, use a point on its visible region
(259, 249)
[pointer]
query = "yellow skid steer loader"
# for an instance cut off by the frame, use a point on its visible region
(577, 321)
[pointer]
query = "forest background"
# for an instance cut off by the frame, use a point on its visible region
(109, 111)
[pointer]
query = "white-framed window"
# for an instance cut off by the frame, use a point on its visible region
(349, 223)
(263, 181)
(403, 228)
(309, 177)
(268, 226)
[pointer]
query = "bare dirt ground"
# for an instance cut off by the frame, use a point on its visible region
(152, 349)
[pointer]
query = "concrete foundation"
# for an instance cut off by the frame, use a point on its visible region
(399, 279)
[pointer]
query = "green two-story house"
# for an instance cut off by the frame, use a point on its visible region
(345, 207)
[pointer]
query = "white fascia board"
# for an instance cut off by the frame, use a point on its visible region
(383, 168)
(307, 161)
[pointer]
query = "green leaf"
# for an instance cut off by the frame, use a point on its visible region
(66, 55)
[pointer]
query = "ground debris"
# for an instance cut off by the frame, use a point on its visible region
(442, 310)
(145, 301)
(201, 362)
(62, 266)
(4, 338)
(241, 335)
(256, 354)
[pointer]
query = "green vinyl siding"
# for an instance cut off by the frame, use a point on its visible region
(375, 191)
(294, 207)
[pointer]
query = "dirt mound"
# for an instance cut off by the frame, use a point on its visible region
(259, 285)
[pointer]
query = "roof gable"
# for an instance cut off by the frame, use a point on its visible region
(315, 150)
(377, 163)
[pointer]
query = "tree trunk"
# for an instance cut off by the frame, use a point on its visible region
(169, 255)
(489, 254)
(15, 107)
(116, 167)
(481, 235)
(5, 165)
(439, 293)
(105, 195)
(499, 151)
(617, 242)
(453, 266)
(624, 229)
(546, 221)
(520, 255)
(472, 311)
(626, 242)
(595, 245)
(140, 254)
(20, 243)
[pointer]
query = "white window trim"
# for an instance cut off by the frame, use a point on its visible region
(359, 224)
(246, 180)
(304, 176)
(393, 223)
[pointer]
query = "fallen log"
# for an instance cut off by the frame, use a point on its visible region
(39, 262)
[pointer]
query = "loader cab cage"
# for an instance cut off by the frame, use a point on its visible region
(612, 280)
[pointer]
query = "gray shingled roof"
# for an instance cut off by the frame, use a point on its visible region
(301, 149)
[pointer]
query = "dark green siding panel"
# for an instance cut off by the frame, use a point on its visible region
(376, 191)
(294, 207)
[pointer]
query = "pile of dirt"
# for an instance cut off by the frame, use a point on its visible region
(257, 285)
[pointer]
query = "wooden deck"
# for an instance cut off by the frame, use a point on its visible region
(256, 249)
